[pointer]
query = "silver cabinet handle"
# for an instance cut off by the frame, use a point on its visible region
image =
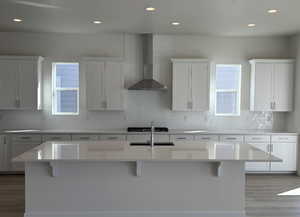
(230, 138)
(84, 138)
(181, 138)
(256, 138)
(55, 138)
(25, 137)
(112, 138)
(283, 138)
(205, 138)
(273, 105)
(17, 103)
(104, 104)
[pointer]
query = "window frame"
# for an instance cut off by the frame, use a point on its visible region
(55, 89)
(237, 91)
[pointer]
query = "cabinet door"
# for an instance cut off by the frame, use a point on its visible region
(17, 149)
(181, 87)
(259, 166)
(4, 155)
(181, 137)
(262, 85)
(286, 152)
(8, 84)
(27, 85)
(95, 85)
(200, 86)
(283, 86)
(138, 138)
(114, 85)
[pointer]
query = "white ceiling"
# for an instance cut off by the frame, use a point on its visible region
(213, 17)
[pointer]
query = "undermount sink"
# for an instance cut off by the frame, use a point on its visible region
(155, 144)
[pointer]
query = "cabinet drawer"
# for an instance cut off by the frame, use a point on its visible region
(113, 137)
(146, 138)
(181, 137)
(213, 138)
(26, 138)
(282, 138)
(257, 138)
(56, 138)
(231, 138)
(83, 137)
(138, 138)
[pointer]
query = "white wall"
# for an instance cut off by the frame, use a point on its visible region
(142, 106)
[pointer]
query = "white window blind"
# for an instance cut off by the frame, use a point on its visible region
(65, 86)
(227, 90)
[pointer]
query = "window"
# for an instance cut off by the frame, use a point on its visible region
(65, 87)
(227, 90)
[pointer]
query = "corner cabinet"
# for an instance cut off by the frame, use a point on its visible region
(20, 82)
(272, 85)
(104, 84)
(191, 78)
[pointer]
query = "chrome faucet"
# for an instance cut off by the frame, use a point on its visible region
(152, 135)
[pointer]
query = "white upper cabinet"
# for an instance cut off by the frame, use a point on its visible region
(104, 84)
(20, 82)
(272, 85)
(191, 78)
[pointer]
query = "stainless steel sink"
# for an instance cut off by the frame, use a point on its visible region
(155, 144)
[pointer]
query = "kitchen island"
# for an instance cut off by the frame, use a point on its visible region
(114, 179)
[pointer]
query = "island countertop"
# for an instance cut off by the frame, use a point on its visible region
(170, 132)
(121, 151)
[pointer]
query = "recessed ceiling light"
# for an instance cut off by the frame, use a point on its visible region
(150, 9)
(251, 25)
(97, 22)
(175, 23)
(272, 11)
(18, 20)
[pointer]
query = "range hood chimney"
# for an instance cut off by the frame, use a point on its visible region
(148, 82)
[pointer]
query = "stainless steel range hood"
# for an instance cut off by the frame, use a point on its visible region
(148, 82)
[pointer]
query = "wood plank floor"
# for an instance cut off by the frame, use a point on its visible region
(262, 198)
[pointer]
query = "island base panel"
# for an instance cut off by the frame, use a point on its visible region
(112, 189)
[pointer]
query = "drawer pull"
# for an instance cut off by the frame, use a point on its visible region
(283, 138)
(230, 138)
(25, 137)
(112, 138)
(205, 138)
(55, 138)
(181, 138)
(256, 138)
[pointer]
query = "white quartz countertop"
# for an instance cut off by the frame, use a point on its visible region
(171, 132)
(122, 151)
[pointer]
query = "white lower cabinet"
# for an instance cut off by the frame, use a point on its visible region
(20, 144)
(259, 166)
(281, 146)
(288, 153)
(4, 155)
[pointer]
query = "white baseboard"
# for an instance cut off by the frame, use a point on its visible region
(139, 214)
